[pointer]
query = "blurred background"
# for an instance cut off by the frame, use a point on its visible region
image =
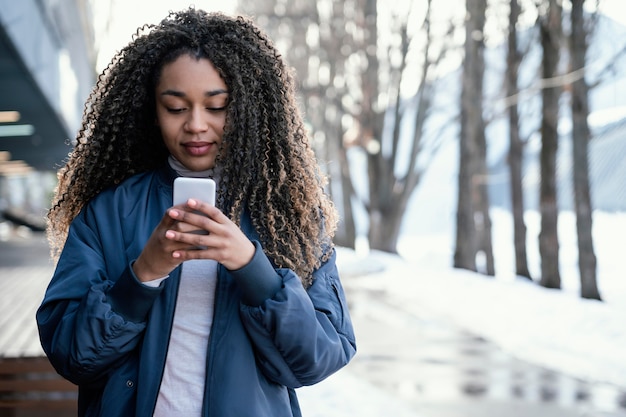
(475, 151)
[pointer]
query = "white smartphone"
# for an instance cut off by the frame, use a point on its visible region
(202, 189)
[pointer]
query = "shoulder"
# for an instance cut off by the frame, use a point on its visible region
(133, 192)
(137, 181)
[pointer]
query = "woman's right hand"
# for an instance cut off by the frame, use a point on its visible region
(156, 259)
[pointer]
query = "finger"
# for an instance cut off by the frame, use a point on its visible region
(183, 213)
(195, 252)
(173, 242)
(192, 223)
(189, 239)
(175, 214)
(192, 251)
(189, 227)
(207, 209)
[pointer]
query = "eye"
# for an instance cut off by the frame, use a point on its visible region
(175, 110)
(216, 109)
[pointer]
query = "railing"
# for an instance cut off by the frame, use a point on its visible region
(30, 386)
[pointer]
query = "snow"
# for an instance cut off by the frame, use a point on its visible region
(554, 328)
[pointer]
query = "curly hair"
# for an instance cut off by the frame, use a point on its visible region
(268, 167)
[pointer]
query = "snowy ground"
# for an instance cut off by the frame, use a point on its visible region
(554, 328)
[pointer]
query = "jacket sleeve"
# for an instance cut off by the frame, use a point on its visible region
(302, 336)
(89, 322)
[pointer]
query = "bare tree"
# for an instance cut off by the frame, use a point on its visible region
(473, 220)
(516, 145)
(389, 187)
(580, 137)
(351, 84)
(551, 35)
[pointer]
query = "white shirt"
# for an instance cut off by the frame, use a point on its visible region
(182, 387)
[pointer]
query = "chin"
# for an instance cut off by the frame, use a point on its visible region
(195, 165)
(201, 167)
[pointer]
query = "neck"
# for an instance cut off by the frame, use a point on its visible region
(183, 171)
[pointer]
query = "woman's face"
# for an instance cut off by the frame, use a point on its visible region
(191, 100)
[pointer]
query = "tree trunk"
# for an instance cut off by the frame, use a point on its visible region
(341, 181)
(390, 188)
(464, 253)
(516, 148)
(379, 166)
(551, 34)
(471, 203)
(349, 228)
(383, 233)
(482, 218)
(580, 138)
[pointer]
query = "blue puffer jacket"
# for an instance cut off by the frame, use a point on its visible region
(106, 332)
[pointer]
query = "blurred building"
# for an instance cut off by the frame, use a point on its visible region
(47, 69)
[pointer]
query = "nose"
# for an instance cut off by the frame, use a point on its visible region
(196, 121)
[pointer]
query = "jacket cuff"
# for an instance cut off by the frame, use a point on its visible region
(258, 280)
(130, 298)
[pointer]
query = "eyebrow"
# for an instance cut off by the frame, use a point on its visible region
(210, 93)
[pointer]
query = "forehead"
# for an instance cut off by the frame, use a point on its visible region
(187, 72)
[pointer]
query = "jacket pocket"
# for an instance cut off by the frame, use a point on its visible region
(120, 393)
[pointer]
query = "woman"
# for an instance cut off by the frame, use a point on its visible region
(148, 317)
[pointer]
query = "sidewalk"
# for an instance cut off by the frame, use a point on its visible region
(25, 270)
(346, 395)
(413, 361)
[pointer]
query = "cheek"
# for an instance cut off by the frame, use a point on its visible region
(222, 125)
(165, 124)
(167, 133)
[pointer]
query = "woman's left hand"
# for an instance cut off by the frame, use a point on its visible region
(224, 243)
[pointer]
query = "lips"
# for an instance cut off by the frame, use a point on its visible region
(198, 148)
